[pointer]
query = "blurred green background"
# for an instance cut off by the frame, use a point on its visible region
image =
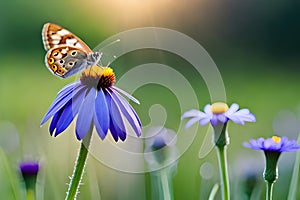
(255, 45)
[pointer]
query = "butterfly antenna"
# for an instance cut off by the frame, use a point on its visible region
(109, 44)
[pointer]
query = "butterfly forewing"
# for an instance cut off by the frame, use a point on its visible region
(54, 35)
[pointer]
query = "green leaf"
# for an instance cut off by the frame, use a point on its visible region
(10, 186)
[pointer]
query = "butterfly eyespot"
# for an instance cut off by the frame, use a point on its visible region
(71, 63)
(51, 60)
(55, 53)
(61, 62)
(60, 71)
(54, 68)
(73, 53)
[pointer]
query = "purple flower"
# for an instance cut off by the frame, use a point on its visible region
(29, 172)
(29, 168)
(272, 147)
(218, 112)
(274, 144)
(96, 102)
(160, 147)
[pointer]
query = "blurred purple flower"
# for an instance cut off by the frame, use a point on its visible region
(29, 168)
(274, 144)
(29, 171)
(96, 101)
(160, 147)
(218, 112)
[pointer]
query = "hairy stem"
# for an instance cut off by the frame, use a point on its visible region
(79, 166)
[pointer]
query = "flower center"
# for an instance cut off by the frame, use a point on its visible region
(219, 107)
(98, 77)
(276, 139)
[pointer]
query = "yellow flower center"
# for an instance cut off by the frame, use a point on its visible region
(276, 139)
(98, 77)
(219, 107)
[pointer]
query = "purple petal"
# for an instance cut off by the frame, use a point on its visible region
(193, 113)
(128, 112)
(191, 122)
(214, 120)
(268, 143)
(289, 145)
(68, 88)
(236, 119)
(241, 116)
(59, 102)
(69, 112)
(253, 144)
(294, 147)
(101, 115)
(65, 92)
(54, 121)
(29, 168)
(125, 94)
(222, 118)
(126, 102)
(205, 120)
(245, 144)
(85, 114)
(117, 127)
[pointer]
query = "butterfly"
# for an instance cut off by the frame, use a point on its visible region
(66, 53)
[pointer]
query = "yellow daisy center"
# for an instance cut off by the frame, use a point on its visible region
(219, 107)
(276, 139)
(98, 77)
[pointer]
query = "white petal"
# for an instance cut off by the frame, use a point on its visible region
(207, 109)
(193, 113)
(192, 121)
(233, 108)
(204, 121)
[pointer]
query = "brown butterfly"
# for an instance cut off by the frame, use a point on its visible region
(67, 54)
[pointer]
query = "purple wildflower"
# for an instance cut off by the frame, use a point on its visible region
(218, 112)
(275, 144)
(29, 168)
(96, 101)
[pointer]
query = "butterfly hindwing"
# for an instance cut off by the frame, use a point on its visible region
(65, 61)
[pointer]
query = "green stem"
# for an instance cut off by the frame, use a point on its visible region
(79, 166)
(30, 183)
(213, 192)
(269, 190)
(165, 184)
(222, 157)
(30, 194)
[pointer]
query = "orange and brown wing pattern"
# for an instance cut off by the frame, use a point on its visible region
(62, 59)
(54, 36)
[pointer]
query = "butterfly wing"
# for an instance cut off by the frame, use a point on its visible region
(54, 35)
(65, 61)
